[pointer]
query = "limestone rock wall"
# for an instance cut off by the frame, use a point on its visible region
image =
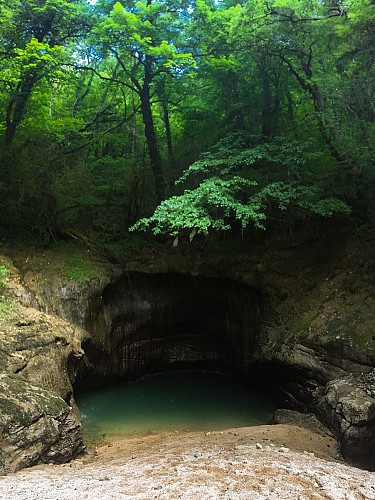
(145, 323)
(207, 309)
(37, 426)
(39, 358)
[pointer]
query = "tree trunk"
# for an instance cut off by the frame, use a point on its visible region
(150, 132)
(266, 105)
(168, 133)
(319, 107)
(16, 107)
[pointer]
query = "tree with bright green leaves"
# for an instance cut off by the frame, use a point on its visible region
(311, 40)
(141, 44)
(34, 39)
(103, 106)
(244, 182)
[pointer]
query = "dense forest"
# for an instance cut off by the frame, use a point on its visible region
(184, 117)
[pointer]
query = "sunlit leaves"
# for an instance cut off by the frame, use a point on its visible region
(144, 31)
(208, 207)
(224, 198)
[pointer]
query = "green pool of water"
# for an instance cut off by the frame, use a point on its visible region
(170, 402)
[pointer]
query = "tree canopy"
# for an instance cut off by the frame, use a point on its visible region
(184, 117)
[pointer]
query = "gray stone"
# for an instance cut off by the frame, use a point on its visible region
(36, 426)
(350, 412)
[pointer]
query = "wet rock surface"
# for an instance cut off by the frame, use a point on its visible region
(350, 411)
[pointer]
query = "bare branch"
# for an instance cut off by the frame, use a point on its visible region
(101, 76)
(284, 16)
(111, 129)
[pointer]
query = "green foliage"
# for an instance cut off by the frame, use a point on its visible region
(301, 324)
(76, 264)
(218, 203)
(145, 31)
(7, 308)
(4, 273)
(100, 101)
(207, 207)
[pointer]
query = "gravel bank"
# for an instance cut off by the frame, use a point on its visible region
(257, 463)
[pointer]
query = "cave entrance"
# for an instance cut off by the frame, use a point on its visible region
(181, 326)
(144, 324)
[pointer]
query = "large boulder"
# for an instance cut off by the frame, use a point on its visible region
(36, 426)
(348, 406)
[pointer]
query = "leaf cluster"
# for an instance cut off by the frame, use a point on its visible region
(224, 199)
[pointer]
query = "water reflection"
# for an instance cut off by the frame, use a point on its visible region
(171, 402)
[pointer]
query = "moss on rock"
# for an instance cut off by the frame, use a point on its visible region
(34, 426)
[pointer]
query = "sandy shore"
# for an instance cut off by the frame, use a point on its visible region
(265, 462)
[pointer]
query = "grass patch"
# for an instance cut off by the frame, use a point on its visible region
(4, 273)
(76, 263)
(367, 335)
(7, 308)
(361, 341)
(130, 245)
(301, 324)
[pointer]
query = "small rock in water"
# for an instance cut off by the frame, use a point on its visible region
(283, 449)
(258, 446)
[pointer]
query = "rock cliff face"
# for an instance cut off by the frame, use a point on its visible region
(296, 315)
(349, 409)
(148, 323)
(39, 358)
(37, 426)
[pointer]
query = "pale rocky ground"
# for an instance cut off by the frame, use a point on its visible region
(256, 463)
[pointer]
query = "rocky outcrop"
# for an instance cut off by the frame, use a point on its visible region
(304, 420)
(36, 426)
(348, 406)
(294, 314)
(39, 358)
(313, 380)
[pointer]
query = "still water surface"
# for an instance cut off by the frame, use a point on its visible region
(168, 403)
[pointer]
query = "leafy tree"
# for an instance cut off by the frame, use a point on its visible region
(33, 39)
(141, 42)
(96, 124)
(245, 180)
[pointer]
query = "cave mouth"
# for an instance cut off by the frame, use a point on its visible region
(164, 331)
(172, 402)
(143, 324)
